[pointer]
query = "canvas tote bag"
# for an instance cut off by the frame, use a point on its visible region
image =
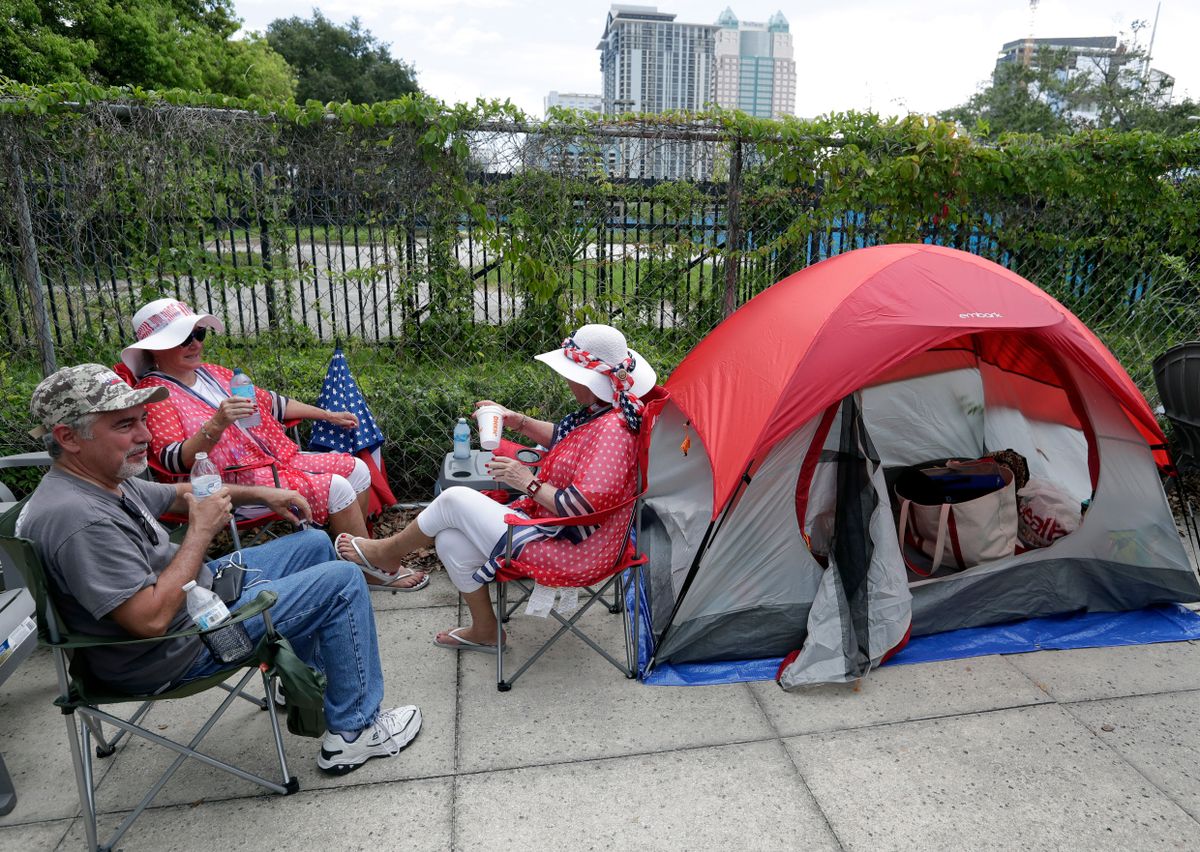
(966, 533)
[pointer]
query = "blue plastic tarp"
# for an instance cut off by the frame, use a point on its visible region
(1168, 623)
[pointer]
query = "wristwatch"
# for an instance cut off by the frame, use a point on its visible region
(533, 486)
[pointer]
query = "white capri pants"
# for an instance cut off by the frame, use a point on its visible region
(343, 490)
(465, 526)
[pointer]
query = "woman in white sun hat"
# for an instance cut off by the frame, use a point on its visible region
(591, 466)
(201, 415)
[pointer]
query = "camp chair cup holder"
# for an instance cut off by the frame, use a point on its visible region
(229, 643)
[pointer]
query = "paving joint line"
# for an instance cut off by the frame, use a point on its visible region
(66, 832)
(1189, 690)
(1107, 743)
(960, 715)
(796, 770)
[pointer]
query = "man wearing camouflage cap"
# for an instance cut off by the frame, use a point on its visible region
(113, 571)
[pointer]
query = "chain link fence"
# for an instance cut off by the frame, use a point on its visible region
(440, 275)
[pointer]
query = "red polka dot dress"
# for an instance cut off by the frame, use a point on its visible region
(183, 413)
(593, 468)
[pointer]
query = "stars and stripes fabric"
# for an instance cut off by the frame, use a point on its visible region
(592, 469)
(620, 375)
(340, 392)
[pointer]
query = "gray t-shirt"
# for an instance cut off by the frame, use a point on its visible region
(97, 556)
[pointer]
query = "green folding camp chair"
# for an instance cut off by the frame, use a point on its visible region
(80, 696)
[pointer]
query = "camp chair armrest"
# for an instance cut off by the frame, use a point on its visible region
(570, 520)
(238, 468)
(164, 475)
(264, 601)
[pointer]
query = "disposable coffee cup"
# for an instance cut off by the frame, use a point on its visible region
(490, 419)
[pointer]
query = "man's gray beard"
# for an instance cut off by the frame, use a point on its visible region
(131, 469)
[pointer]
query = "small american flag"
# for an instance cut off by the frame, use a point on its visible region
(341, 393)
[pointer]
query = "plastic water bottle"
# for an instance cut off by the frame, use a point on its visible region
(462, 439)
(231, 644)
(205, 608)
(240, 385)
(206, 479)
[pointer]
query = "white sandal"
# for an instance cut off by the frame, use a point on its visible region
(387, 580)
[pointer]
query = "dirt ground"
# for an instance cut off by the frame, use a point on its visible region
(393, 520)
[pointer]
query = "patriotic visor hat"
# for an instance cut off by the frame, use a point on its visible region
(597, 356)
(162, 324)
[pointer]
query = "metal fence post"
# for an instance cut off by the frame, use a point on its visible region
(733, 236)
(30, 269)
(264, 243)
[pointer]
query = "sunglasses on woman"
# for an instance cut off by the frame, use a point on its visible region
(196, 334)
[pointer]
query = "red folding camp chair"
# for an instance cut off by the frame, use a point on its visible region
(261, 525)
(626, 570)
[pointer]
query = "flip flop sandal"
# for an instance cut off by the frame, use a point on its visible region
(388, 587)
(386, 579)
(461, 644)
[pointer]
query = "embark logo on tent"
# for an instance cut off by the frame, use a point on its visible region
(988, 315)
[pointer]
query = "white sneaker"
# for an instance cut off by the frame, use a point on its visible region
(386, 736)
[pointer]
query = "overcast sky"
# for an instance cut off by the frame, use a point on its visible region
(891, 56)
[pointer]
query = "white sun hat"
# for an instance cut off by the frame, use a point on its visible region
(607, 344)
(162, 324)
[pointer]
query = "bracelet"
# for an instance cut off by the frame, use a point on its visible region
(521, 426)
(204, 432)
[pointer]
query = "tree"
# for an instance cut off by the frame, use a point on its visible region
(250, 67)
(1019, 99)
(1060, 91)
(32, 47)
(337, 63)
(155, 44)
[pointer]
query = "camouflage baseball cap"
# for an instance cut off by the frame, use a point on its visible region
(86, 389)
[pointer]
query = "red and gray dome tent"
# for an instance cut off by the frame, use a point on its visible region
(773, 534)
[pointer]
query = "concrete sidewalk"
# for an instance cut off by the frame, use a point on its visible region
(1059, 749)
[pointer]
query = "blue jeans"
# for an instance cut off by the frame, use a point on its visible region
(324, 610)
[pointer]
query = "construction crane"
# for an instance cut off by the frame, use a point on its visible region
(1150, 49)
(1027, 55)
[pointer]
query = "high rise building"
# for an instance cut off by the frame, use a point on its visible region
(651, 63)
(1094, 58)
(755, 69)
(574, 100)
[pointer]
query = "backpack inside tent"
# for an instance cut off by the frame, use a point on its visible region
(770, 521)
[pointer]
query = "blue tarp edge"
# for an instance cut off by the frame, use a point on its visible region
(1164, 623)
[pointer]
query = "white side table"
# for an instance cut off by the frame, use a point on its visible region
(18, 638)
